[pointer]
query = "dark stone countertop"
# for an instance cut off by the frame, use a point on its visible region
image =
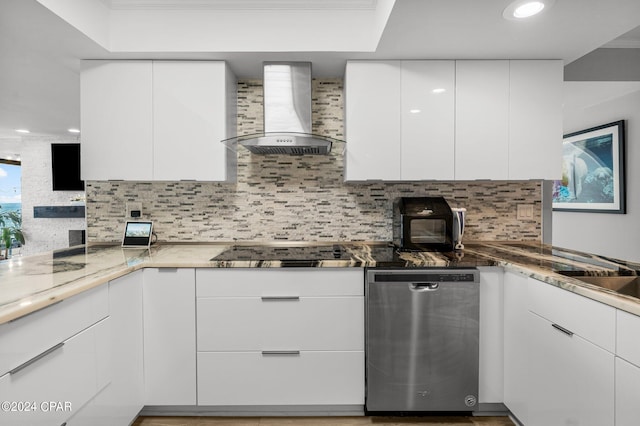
(32, 282)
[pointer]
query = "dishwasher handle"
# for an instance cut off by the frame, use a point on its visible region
(424, 286)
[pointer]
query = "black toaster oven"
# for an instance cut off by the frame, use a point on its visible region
(422, 223)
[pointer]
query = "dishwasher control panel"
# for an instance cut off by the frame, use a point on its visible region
(422, 275)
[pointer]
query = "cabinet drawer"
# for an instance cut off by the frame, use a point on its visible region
(26, 337)
(306, 323)
(627, 332)
(279, 282)
(307, 378)
(587, 318)
(59, 383)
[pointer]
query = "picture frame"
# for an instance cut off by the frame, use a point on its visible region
(593, 171)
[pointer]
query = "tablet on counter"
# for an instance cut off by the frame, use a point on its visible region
(137, 234)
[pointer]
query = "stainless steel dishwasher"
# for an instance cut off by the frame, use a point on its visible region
(422, 340)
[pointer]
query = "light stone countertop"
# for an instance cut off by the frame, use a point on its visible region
(33, 282)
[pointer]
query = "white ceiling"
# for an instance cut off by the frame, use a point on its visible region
(239, 4)
(41, 53)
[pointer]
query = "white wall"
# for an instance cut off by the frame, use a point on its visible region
(605, 65)
(44, 234)
(612, 235)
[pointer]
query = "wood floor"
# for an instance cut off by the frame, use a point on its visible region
(322, 421)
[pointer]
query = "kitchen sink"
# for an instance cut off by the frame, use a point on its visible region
(624, 285)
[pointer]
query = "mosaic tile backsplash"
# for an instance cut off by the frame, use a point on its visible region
(300, 198)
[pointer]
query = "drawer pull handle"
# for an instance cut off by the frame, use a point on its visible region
(266, 353)
(37, 310)
(281, 298)
(36, 358)
(562, 329)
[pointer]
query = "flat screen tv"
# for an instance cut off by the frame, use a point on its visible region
(65, 159)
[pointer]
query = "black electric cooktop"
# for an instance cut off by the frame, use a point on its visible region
(300, 253)
(306, 255)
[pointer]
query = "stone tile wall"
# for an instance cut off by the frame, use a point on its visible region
(300, 198)
(44, 234)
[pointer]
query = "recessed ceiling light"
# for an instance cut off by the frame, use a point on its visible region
(22, 131)
(522, 9)
(414, 111)
(72, 130)
(528, 9)
(439, 90)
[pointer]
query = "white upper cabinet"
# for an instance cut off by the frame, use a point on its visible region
(190, 111)
(482, 120)
(399, 120)
(427, 105)
(535, 117)
(453, 120)
(155, 120)
(372, 121)
(116, 119)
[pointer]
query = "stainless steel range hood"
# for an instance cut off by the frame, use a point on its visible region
(287, 114)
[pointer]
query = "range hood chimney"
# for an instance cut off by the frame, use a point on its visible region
(287, 114)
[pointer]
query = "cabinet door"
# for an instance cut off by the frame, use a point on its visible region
(427, 108)
(482, 120)
(58, 383)
(627, 393)
(491, 336)
(535, 120)
(169, 336)
(516, 346)
(116, 120)
(125, 311)
(627, 332)
(190, 120)
(372, 121)
(572, 380)
(122, 400)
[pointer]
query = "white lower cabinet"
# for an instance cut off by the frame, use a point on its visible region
(491, 336)
(627, 332)
(57, 383)
(571, 378)
(627, 368)
(121, 401)
(29, 336)
(169, 336)
(516, 346)
(282, 323)
(627, 393)
(280, 337)
(280, 378)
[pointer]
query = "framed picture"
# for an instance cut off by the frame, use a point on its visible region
(592, 171)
